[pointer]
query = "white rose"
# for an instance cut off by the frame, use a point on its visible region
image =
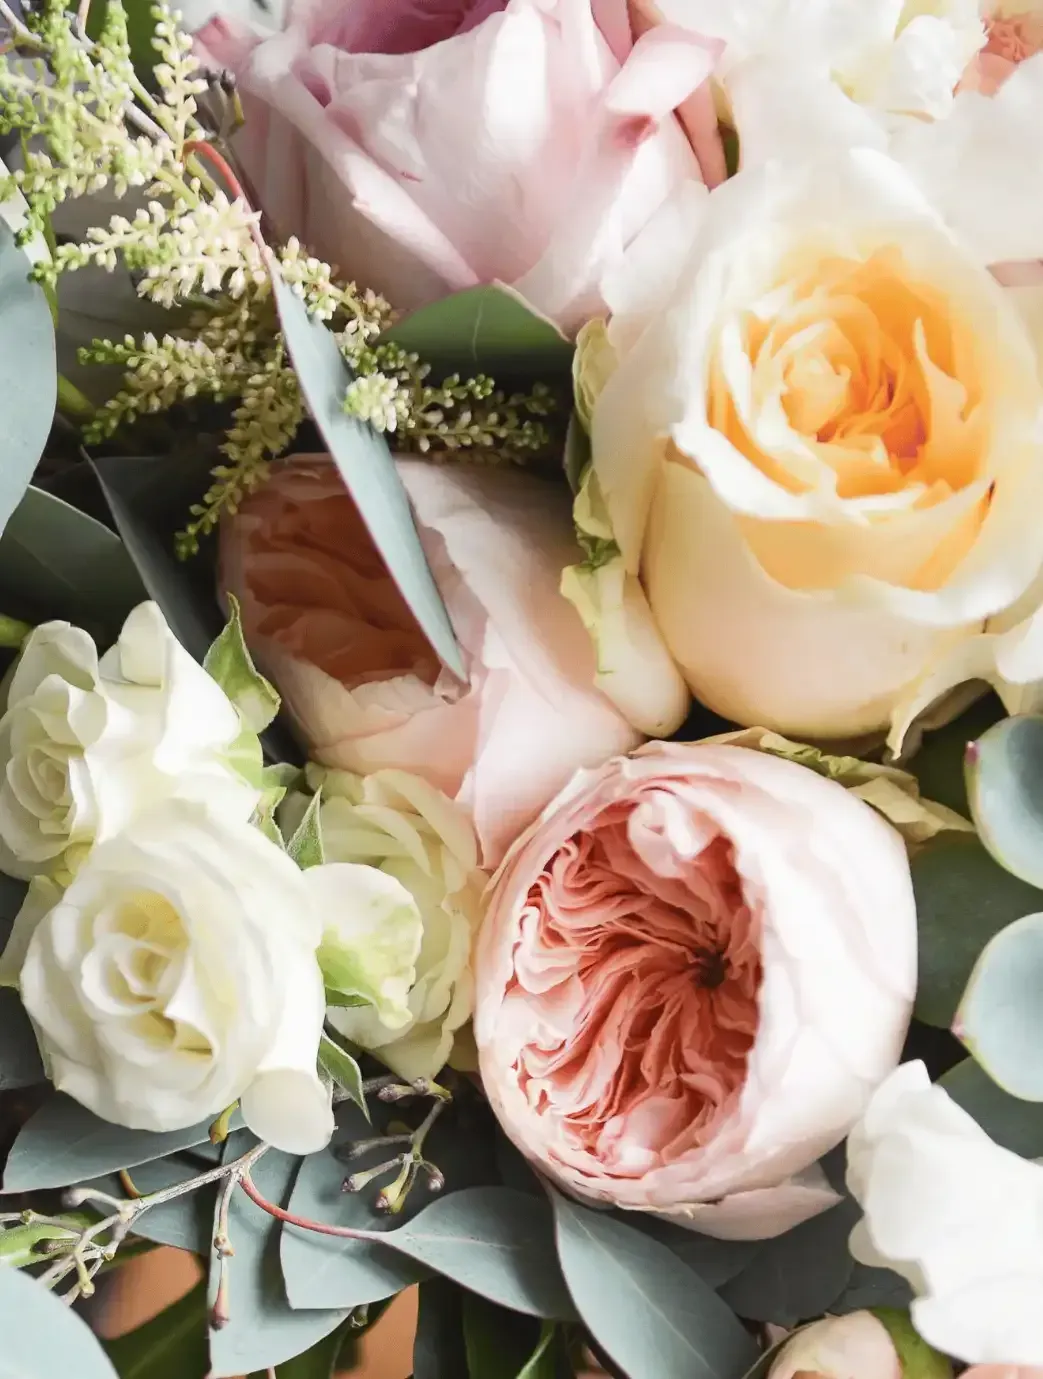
(959, 1217)
(87, 745)
(178, 973)
(819, 454)
(419, 837)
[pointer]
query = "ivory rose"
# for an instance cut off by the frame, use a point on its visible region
(365, 689)
(692, 972)
(857, 1346)
(954, 1213)
(425, 149)
(816, 464)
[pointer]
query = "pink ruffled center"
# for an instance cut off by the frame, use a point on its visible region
(404, 26)
(1015, 38)
(649, 965)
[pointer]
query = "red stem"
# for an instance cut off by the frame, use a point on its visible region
(320, 1228)
(217, 160)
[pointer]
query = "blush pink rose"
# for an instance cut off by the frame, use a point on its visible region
(1012, 35)
(425, 146)
(693, 971)
(857, 1346)
(326, 622)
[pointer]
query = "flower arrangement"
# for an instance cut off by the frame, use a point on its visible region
(520, 574)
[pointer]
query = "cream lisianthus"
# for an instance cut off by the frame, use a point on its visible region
(425, 850)
(817, 462)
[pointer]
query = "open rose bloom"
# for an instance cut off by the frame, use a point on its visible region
(693, 971)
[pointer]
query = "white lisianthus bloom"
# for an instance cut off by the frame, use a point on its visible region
(177, 974)
(818, 459)
(955, 1214)
(423, 841)
(88, 744)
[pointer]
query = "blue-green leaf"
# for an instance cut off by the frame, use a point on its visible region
(1000, 1019)
(963, 898)
(653, 1316)
(185, 1222)
(28, 373)
(1005, 790)
(366, 466)
(1015, 1124)
(42, 1337)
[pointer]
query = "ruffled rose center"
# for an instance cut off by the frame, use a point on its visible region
(404, 26)
(1014, 37)
(319, 589)
(653, 980)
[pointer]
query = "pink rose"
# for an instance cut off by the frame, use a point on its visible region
(327, 623)
(693, 971)
(857, 1346)
(427, 147)
(1012, 35)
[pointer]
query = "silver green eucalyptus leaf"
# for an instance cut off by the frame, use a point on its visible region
(1005, 789)
(42, 1337)
(229, 663)
(1000, 1019)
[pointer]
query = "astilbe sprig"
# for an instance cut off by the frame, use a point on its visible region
(88, 126)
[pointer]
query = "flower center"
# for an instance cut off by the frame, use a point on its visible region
(1014, 37)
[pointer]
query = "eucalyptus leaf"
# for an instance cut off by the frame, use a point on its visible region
(20, 1064)
(344, 1071)
(439, 1350)
(1005, 789)
(229, 663)
(798, 1275)
(870, 1287)
(715, 1261)
(42, 1337)
(963, 899)
(263, 1330)
(1000, 1018)
(305, 847)
(1015, 1124)
(486, 330)
(64, 1143)
(365, 464)
(651, 1314)
(320, 1362)
(185, 1222)
(28, 373)
(170, 1346)
(56, 562)
(939, 763)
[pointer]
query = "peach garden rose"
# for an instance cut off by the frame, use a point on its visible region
(693, 971)
(356, 674)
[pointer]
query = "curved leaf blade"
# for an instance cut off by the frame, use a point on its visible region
(653, 1316)
(1015, 1124)
(1005, 791)
(170, 1346)
(42, 1337)
(1000, 1019)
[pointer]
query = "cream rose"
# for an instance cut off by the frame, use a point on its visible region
(817, 464)
(415, 834)
(88, 744)
(178, 973)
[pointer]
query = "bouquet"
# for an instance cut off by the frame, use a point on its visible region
(520, 594)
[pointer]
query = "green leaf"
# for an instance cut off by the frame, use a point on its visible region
(344, 1071)
(963, 899)
(42, 1337)
(653, 1316)
(502, 1344)
(305, 847)
(64, 1143)
(275, 782)
(56, 562)
(28, 373)
(1005, 789)
(438, 1348)
(20, 1064)
(229, 663)
(366, 466)
(488, 330)
(797, 1275)
(170, 1346)
(542, 1362)
(320, 1362)
(1015, 1124)
(1000, 1018)
(939, 764)
(916, 1359)
(141, 25)
(715, 1261)
(263, 1330)
(18, 1244)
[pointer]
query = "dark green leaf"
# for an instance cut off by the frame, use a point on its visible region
(1005, 788)
(438, 1349)
(264, 1331)
(797, 1276)
(366, 466)
(653, 1316)
(20, 1064)
(499, 1343)
(305, 847)
(1000, 1019)
(141, 25)
(344, 1071)
(869, 1287)
(487, 330)
(170, 1346)
(65, 1143)
(938, 765)
(56, 562)
(963, 898)
(28, 373)
(42, 1338)
(1016, 1125)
